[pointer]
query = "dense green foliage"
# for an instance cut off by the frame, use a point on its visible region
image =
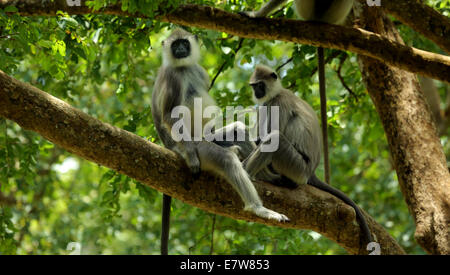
(106, 66)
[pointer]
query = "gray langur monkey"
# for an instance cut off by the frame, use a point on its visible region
(325, 11)
(300, 146)
(181, 79)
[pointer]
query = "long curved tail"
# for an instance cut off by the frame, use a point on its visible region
(314, 181)
(167, 200)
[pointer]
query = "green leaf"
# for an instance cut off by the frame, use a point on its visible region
(45, 43)
(71, 23)
(10, 9)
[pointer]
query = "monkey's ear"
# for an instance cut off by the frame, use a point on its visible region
(274, 75)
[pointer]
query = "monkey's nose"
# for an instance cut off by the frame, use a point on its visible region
(259, 93)
(181, 50)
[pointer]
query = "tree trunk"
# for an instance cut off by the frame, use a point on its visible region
(414, 144)
(421, 18)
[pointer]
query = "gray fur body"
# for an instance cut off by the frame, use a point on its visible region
(179, 81)
(325, 11)
(300, 143)
(299, 138)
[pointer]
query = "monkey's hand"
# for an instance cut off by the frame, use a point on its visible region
(267, 176)
(194, 165)
(189, 153)
(236, 149)
(275, 179)
(266, 213)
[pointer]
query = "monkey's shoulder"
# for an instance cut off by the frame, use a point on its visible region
(292, 108)
(287, 101)
(295, 102)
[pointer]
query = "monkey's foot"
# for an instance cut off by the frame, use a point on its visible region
(249, 14)
(266, 213)
(237, 151)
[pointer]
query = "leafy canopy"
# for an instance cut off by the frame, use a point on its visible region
(106, 66)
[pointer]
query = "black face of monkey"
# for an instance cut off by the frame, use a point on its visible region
(259, 88)
(181, 48)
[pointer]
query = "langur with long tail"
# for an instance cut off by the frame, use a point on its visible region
(299, 140)
(325, 11)
(180, 81)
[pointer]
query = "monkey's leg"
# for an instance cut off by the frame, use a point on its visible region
(223, 162)
(235, 131)
(243, 149)
(286, 161)
(289, 162)
(235, 136)
(257, 161)
(188, 151)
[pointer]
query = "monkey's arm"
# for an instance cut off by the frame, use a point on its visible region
(266, 8)
(185, 148)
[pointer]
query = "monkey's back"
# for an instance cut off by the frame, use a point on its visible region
(300, 125)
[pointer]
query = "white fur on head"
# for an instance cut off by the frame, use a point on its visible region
(168, 58)
(273, 86)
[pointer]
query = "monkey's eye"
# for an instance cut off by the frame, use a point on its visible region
(196, 37)
(273, 75)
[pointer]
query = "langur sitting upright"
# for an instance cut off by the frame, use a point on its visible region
(325, 11)
(180, 80)
(298, 136)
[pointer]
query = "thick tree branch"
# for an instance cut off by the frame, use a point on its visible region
(422, 18)
(433, 99)
(329, 36)
(159, 168)
(414, 144)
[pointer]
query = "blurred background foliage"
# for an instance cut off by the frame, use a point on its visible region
(106, 66)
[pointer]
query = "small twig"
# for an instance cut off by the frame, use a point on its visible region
(342, 59)
(314, 71)
(241, 40)
(284, 64)
(327, 60)
(195, 244)
(8, 35)
(211, 250)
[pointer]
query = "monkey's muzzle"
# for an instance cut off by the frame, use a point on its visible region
(259, 89)
(181, 48)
